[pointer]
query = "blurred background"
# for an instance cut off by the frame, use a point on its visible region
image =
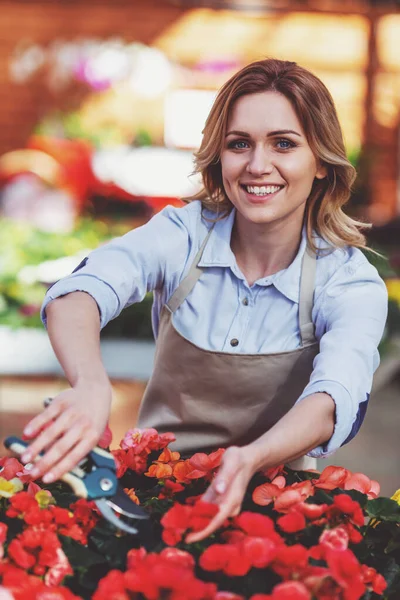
(102, 103)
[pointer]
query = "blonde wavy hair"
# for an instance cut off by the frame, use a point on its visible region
(316, 111)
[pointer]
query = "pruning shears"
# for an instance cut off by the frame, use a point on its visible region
(94, 478)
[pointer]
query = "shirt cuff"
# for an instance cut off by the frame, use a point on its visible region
(343, 415)
(104, 296)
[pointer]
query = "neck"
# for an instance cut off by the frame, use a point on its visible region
(264, 249)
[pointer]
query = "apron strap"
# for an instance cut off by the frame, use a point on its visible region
(187, 284)
(306, 299)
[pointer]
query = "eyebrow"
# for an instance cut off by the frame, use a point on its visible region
(270, 134)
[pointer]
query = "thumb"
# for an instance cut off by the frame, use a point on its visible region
(227, 471)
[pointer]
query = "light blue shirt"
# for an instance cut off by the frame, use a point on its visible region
(349, 312)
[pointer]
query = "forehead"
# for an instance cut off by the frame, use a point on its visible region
(264, 110)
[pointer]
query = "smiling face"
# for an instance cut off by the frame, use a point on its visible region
(267, 165)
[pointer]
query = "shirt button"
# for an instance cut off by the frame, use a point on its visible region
(234, 342)
(245, 301)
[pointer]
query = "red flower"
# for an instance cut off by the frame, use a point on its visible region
(347, 572)
(204, 465)
(362, 483)
(106, 438)
(290, 560)
(111, 586)
(335, 539)
(170, 489)
(20, 503)
(312, 512)
(268, 492)
(260, 551)
(331, 477)
(56, 574)
(227, 596)
(350, 507)
(229, 558)
(178, 557)
(3, 532)
(175, 522)
(373, 580)
(290, 590)
(120, 462)
(20, 556)
(293, 522)
(10, 467)
(255, 524)
(180, 518)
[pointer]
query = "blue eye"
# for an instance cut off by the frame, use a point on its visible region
(238, 145)
(284, 144)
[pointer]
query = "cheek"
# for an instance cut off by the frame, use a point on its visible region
(231, 167)
(301, 171)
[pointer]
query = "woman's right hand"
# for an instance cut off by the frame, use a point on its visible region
(68, 429)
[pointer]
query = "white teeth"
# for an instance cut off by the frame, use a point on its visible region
(262, 190)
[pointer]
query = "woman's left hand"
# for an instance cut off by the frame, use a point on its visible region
(227, 489)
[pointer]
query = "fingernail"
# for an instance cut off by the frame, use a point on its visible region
(35, 472)
(220, 487)
(28, 430)
(26, 457)
(48, 478)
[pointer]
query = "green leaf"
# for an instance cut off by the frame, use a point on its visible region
(383, 509)
(80, 556)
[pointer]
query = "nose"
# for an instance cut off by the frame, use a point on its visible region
(260, 162)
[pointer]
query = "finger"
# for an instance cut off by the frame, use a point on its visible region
(46, 416)
(56, 453)
(48, 436)
(216, 523)
(69, 461)
(228, 470)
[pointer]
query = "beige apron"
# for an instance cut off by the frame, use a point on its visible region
(218, 399)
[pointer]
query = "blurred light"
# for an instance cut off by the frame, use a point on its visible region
(185, 114)
(388, 41)
(151, 74)
(149, 171)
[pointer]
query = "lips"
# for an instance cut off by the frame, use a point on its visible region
(261, 191)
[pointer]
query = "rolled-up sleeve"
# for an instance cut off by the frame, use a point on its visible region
(351, 314)
(122, 271)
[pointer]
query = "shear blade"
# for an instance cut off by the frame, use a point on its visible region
(107, 512)
(123, 505)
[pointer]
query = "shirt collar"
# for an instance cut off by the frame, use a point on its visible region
(218, 253)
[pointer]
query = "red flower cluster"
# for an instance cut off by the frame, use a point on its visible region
(182, 518)
(169, 574)
(76, 524)
(256, 544)
(168, 466)
(136, 447)
(338, 477)
(23, 586)
(33, 565)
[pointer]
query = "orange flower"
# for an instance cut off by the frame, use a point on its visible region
(163, 467)
(159, 471)
(181, 471)
(131, 493)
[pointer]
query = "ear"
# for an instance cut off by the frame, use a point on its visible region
(321, 172)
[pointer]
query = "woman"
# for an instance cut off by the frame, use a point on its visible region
(266, 313)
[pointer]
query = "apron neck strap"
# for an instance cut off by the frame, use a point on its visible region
(188, 282)
(306, 298)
